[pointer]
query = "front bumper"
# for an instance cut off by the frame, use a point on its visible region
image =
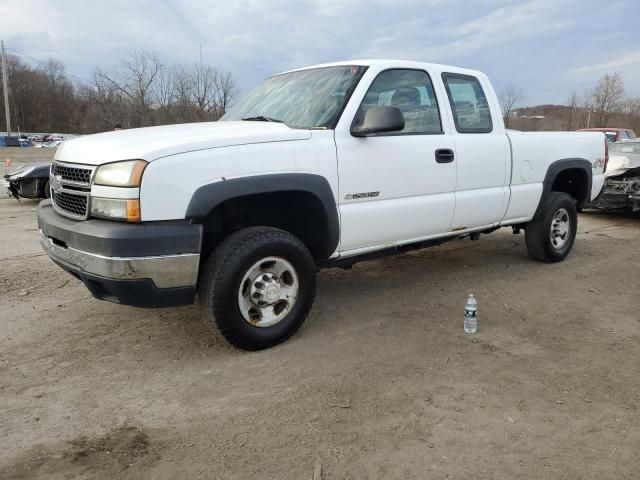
(618, 195)
(26, 188)
(153, 264)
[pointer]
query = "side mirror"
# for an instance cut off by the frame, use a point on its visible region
(379, 120)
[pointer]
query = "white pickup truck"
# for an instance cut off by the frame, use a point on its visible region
(317, 167)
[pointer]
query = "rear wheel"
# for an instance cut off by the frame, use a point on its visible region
(552, 231)
(257, 287)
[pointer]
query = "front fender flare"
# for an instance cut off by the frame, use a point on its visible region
(209, 196)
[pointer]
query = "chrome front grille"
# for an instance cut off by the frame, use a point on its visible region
(70, 189)
(72, 174)
(74, 204)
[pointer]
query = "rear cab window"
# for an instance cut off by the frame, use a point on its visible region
(612, 136)
(469, 104)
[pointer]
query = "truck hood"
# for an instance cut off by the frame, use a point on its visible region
(151, 143)
(619, 164)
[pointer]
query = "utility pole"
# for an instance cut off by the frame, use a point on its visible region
(5, 89)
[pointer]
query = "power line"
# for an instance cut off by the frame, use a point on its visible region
(42, 62)
(25, 55)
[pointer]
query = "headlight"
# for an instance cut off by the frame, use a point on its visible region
(120, 174)
(116, 208)
(127, 173)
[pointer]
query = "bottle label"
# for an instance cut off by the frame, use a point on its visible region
(470, 313)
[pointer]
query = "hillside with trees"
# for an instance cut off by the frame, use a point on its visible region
(604, 105)
(139, 91)
(142, 90)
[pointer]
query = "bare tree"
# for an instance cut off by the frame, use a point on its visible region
(225, 92)
(202, 82)
(60, 94)
(41, 97)
(111, 105)
(606, 97)
(211, 91)
(632, 112)
(586, 104)
(632, 107)
(182, 106)
(139, 91)
(163, 92)
(509, 97)
(573, 103)
(134, 78)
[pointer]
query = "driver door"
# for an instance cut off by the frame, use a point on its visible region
(396, 187)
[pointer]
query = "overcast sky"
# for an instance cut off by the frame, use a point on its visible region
(546, 47)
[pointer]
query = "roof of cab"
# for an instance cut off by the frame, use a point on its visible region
(602, 129)
(391, 63)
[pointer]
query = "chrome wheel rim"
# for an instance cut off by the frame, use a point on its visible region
(268, 291)
(560, 228)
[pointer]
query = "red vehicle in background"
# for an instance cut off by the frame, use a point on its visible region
(613, 134)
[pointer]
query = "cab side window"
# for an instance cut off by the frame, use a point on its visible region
(412, 92)
(468, 102)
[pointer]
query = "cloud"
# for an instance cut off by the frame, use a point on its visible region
(629, 58)
(546, 47)
(462, 36)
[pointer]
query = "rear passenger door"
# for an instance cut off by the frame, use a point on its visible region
(399, 186)
(482, 154)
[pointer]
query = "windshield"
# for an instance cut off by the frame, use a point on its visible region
(304, 99)
(627, 147)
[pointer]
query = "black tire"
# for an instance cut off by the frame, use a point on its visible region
(538, 230)
(46, 191)
(223, 273)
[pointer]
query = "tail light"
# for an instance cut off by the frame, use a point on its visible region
(606, 154)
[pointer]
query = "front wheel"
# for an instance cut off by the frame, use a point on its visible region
(46, 190)
(257, 287)
(552, 231)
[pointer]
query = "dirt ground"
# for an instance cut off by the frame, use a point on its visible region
(380, 383)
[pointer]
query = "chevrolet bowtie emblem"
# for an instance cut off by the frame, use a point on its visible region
(55, 182)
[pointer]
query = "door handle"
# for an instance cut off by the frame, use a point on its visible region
(444, 155)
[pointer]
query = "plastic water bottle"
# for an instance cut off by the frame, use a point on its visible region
(471, 315)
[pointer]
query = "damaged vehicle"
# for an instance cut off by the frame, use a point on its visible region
(621, 191)
(29, 181)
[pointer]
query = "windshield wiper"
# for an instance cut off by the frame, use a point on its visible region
(261, 118)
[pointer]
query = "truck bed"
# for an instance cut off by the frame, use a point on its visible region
(531, 155)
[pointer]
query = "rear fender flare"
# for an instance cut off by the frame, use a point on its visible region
(565, 164)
